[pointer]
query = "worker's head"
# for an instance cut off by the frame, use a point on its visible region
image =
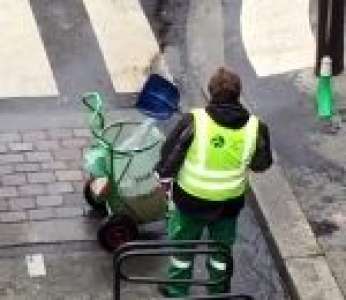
(224, 86)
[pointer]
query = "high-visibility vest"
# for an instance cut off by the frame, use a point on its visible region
(217, 162)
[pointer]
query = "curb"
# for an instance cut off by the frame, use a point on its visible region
(302, 264)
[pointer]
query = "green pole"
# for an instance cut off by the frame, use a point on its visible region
(324, 95)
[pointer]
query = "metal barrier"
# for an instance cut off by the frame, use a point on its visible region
(168, 248)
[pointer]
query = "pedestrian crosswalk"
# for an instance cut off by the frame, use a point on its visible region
(127, 46)
(29, 61)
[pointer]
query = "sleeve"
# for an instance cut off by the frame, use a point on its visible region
(174, 149)
(262, 159)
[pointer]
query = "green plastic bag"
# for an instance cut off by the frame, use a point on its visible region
(97, 161)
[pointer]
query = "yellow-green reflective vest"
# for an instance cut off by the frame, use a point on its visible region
(217, 162)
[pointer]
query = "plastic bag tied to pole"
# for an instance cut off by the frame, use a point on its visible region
(324, 95)
(139, 177)
(138, 138)
(96, 161)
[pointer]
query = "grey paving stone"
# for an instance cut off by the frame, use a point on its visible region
(337, 260)
(68, 212)
(68, 154)
(6, 169)
(59, 188)
(14, 179)
(75, 143)
(21, 146)
(21, 203)
(3, 148)
(41, 177)
(60, 133)
(76, 164)
(81, 132)
(73, 199)
(11, 158)
(27, 167)
(51, 230)
(32, 189)
(8, 191)
(313, 279)
(4, 204)
(39, 156)
(71, 275)
(54, 165)
(41, 214)
(47, 145)
(34, 135)
(49, 200)
(78, 186)
(12, 217)
(69, 175)
(10, 137)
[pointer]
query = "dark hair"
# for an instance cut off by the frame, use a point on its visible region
(224, 86)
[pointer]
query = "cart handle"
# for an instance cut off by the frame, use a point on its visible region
(93, 102)
(97, 121)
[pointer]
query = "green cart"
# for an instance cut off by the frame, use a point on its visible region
(129, 194)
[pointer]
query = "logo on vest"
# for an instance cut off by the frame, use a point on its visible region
(218, 141)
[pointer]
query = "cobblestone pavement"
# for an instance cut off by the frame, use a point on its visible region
(40, 174)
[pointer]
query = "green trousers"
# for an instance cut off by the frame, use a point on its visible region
(185, 227)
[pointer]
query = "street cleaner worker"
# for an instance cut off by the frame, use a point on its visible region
(207, 158)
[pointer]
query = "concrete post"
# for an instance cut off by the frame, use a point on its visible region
(330, 40)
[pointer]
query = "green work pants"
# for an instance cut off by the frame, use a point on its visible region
(185, 227)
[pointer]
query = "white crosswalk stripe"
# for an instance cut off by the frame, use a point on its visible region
(126, 39)
(24, 66)
(277, 35)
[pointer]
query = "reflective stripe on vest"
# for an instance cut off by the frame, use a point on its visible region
(217, 265)
(217, 162)
(179, 264)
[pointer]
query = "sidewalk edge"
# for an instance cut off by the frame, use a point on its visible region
(302, 263)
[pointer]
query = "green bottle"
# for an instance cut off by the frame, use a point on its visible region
(324, 95)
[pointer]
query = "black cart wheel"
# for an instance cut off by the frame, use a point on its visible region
(116, 231)
(90, 198)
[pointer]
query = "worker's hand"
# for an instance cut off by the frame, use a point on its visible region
(165, 183)
(100, 186)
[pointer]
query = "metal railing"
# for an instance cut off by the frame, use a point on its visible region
(167, 248)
